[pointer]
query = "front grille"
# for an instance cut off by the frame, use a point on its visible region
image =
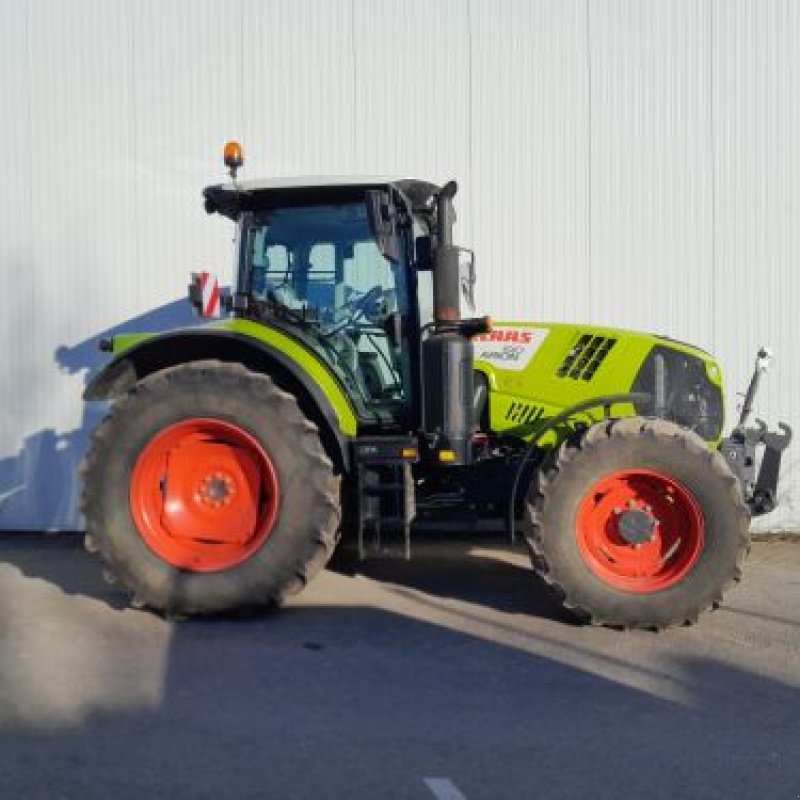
(585, 357)
(690, 398)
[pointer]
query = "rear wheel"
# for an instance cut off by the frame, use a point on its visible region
(207, 489)
(637, 524)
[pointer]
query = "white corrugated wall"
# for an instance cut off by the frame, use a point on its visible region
(631, 162)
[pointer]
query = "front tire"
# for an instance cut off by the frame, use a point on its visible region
(207, 489)
(637, 524)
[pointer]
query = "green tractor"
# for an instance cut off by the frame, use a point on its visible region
(345, 389)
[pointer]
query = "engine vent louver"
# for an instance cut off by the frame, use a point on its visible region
(524, 413)
(585, 357)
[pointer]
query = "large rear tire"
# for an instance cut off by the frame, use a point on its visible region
(637, 524)
(207, 489)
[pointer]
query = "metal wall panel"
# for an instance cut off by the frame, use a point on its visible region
(186, 97)
(78, 110)
(629, 162)
(651, 213)
(298, 78)
(18, 378)
(756, 110)
(530, 157)
(412, 92)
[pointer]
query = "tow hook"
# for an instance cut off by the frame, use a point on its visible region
(764, 498)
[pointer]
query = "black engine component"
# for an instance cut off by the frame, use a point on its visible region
(681, 392)
(449, 392)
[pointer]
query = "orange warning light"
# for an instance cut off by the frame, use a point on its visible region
(233, 155)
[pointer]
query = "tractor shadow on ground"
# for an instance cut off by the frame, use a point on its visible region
(481, 571)
(474, 572)
(352, 700)
(39, 485)
(61, 560)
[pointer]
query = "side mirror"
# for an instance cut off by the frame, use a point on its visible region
(466, 270)
(424, 253)
(382, 218)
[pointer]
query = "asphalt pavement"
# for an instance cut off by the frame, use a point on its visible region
(453, 676)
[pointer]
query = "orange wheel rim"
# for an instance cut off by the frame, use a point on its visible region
(640, 531)
(204, 495)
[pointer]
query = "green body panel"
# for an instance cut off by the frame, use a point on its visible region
(521, 396)
(313, 366)
(122, 342)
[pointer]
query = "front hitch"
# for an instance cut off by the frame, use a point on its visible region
(740, 448)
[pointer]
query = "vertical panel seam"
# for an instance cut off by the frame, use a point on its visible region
(35, 402)
(712, 147)
(134, 124)
(29, 95)
(242, 70)
(353, 55)
(470, 169)
(589, 165)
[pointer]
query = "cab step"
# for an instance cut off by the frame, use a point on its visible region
(386, 496)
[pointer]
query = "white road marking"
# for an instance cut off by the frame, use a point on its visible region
(444, 789)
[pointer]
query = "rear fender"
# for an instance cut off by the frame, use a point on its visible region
(298, 371)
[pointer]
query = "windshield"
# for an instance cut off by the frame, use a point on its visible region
(320, 268)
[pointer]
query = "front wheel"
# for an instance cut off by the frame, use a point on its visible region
(207, 489)
(637, 524)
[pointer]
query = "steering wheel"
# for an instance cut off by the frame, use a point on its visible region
(351, 310)
(365, 304)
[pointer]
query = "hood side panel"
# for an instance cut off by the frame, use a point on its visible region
(537, 370)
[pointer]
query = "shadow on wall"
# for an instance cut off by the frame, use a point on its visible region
(40, 486)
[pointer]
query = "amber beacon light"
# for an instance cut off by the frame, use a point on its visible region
(233, 156)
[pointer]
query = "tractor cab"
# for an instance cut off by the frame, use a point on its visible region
(348, 266)
(364, 272)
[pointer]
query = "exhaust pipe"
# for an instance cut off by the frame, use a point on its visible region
(445, 274)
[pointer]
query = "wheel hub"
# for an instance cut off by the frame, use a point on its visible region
(216, 490)
(636, 526)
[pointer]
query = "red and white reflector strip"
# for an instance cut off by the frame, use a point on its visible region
(209, 286)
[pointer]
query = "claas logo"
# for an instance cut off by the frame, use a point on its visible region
(507, 335)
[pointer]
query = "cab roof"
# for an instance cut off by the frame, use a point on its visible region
(231, 200)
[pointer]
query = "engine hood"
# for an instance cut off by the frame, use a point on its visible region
(536, 370)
